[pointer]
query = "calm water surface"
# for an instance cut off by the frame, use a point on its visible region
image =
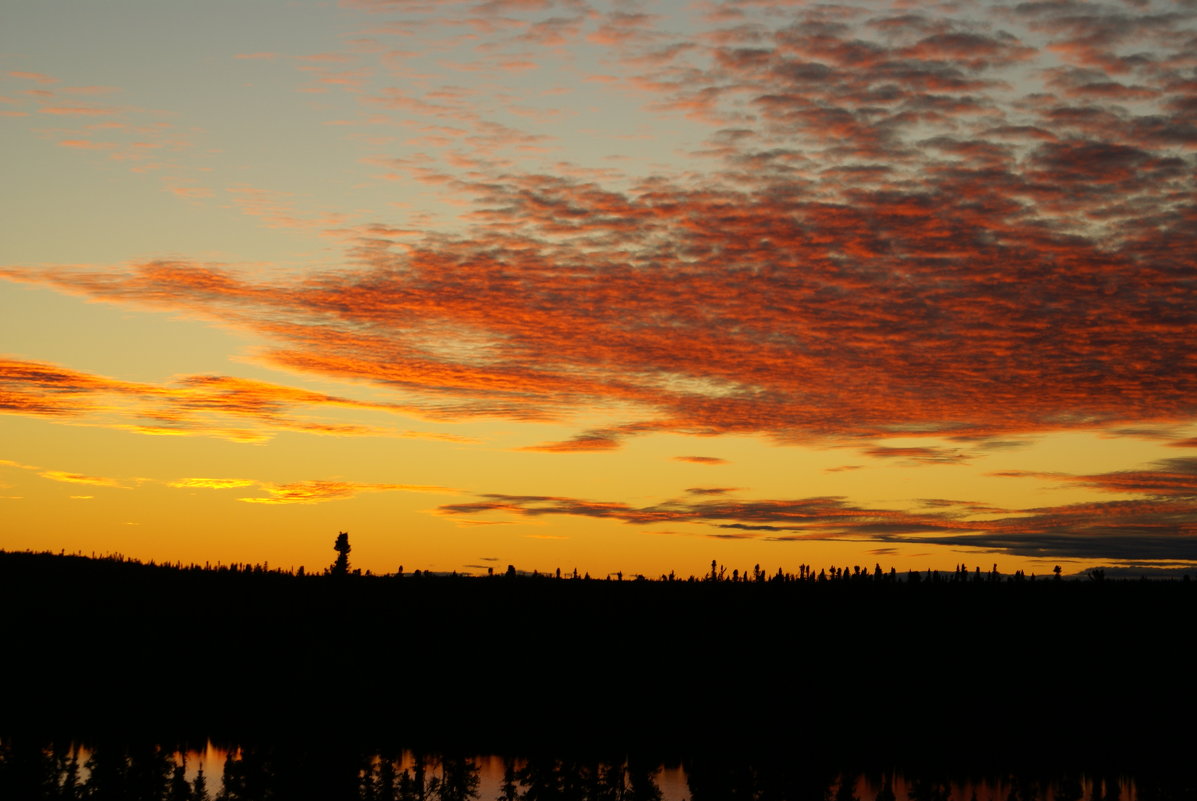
(214, 772)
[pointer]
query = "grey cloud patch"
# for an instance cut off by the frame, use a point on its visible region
(1130, 571)
(918, 455)
(1157, 529)
(746, 527)
(1112, 543)
(1166, 478)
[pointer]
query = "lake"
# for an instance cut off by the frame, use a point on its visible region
(225, 772)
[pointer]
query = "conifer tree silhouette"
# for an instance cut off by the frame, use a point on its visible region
(341, 566)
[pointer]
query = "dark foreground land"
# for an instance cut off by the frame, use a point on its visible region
(975, 670)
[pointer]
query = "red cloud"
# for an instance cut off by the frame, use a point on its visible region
(586, 442)
(1170, 478)
(193, 405)
(917, 225)
(917, 454)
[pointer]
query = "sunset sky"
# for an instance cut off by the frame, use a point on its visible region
(620, 286)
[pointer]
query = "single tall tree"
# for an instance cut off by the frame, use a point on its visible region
(341, 566)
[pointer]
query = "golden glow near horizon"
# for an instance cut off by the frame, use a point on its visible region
(597, 286)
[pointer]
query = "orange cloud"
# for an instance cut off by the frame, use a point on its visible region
(191, 406)
(904, 224)
(321, 491)
(10, 463)
(586, 442)
(65, 476)
(924, 455)
(1169, 478)
(600, 439)
(78, 111)
(79, 478)
(212, 483)
(31, 76)
(86, 144)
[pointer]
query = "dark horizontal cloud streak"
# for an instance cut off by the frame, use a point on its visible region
(1148, 530)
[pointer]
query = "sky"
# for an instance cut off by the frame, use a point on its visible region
(615, 286)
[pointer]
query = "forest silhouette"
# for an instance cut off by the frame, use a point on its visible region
(330, 771)
(970, 667)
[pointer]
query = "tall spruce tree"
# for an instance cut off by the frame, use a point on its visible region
(341, 566)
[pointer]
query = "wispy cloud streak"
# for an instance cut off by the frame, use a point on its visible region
(308, 492)
(206, 405)
(1160, 529)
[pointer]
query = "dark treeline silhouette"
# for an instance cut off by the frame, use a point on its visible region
(117, 565)
(331, 771)
(954, 664)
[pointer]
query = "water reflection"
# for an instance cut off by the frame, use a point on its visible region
(184, 772)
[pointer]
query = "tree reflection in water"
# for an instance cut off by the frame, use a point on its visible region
(31, 770)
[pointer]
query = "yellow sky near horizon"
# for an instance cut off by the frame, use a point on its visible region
(597, 285)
